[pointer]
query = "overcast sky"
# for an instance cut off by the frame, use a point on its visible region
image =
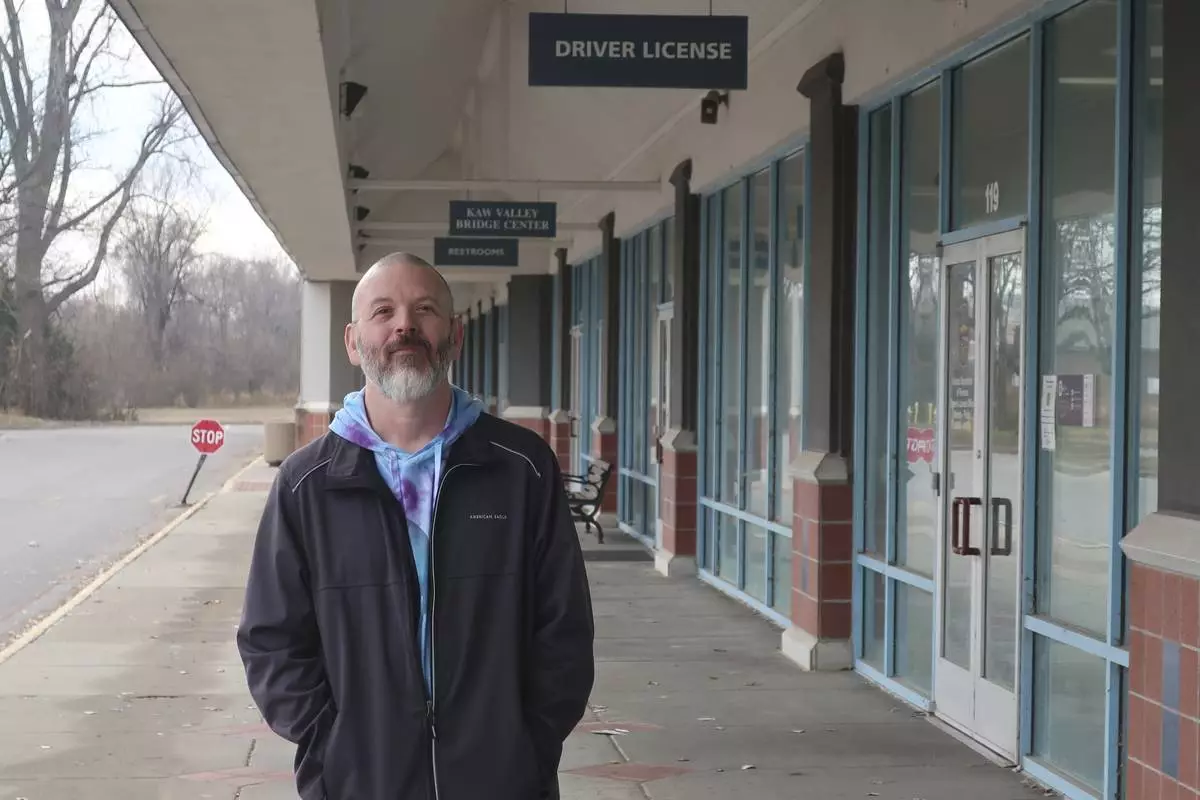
(120, 116)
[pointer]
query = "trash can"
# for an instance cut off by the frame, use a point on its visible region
(279, 440)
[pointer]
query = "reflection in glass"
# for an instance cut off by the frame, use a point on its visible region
(961, 350)
(756, 562)
(875, 390)
(1150, 129)
(1078, 269)
(782, 575)
(873, 618)
(789, 308)
(668, 290)
(990, 172)
(914, 638)
(1004, 452)
(758, 345)
(638, 355)
(727, 548)
(916, 533)
(729, 489)
(1069, 716)
(713, 344)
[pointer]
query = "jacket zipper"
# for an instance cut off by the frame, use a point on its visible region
(431, 702)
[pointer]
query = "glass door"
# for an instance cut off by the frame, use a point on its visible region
(979, 485)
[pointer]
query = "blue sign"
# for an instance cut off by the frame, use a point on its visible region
(671, 51)
(502, 218)
(472, 252)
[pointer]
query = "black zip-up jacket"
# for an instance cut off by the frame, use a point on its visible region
(328, 635)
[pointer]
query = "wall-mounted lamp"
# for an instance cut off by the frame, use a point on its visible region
(352, 95)
(710, 104)
(358, 173)
(361, 213)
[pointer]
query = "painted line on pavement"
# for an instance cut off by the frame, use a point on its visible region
(47, 622)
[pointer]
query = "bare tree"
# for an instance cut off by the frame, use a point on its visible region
(158, 252)
(42, 137)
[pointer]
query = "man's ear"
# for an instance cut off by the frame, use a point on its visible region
(351, 347)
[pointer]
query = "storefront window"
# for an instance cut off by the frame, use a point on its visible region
(1078, 270)
(1150, 107)
(758, 345)
(916, 518)
(789, 328)
(729, 487)
(875, 388)
(990, 149)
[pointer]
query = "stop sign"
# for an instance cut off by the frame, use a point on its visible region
(208, 436)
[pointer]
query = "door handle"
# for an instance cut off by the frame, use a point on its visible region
(960, 534)
(1006, 504)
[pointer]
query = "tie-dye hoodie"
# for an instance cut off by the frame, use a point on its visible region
(413, 479)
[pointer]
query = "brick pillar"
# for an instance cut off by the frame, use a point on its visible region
(604, 428)
(1164, 684)
(534, 418)
(677, 505)
(822, 565)
(312, 423)
(677, 484)
(604, 447)
(822, 534)
(559, 422)
(1163, 551)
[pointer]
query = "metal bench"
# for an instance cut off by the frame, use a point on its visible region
(585, 495)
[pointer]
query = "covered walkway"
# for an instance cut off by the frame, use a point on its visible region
(881, 314)
(137, 693)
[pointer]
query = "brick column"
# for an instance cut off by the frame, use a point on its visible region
(1163, 601)
(677, 481)
(604, 428)
(559, 421)
(822, 534)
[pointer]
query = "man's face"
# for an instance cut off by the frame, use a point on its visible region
(405, 338)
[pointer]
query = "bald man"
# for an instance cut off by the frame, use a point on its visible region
(417, 617)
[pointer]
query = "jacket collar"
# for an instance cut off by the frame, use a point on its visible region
(352, 466)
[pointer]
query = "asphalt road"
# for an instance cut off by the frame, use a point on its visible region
(73, 500)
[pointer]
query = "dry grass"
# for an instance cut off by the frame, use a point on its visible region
(242, 415)
(247, 415)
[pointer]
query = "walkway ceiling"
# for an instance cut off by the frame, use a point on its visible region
(446, 100)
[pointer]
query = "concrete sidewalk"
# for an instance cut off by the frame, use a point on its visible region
(138, 693)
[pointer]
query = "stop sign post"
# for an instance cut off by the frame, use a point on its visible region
(207, 436)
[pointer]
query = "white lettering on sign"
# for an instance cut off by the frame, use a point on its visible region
(671, 51)
(475, 252)
(207, 436)
(991, 197)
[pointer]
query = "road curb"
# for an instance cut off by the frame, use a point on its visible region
(51, 619)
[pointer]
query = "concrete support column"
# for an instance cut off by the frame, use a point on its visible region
(529, 340)
(326, 374)
(1163, 601)
(822, 534)
(559, 422)
(677, 483)
(604, 428)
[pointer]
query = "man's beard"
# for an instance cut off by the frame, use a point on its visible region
(398, 379)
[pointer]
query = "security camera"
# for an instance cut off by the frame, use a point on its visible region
(709, 105)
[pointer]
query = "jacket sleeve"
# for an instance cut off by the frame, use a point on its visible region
(561, 658)
(278, 639)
